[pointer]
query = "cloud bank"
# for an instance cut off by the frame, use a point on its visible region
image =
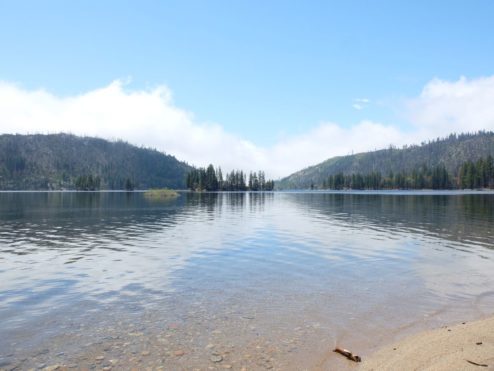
(150, 118)
(445, 107)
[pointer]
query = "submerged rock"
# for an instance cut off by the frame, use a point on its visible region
(4, 362)
(216, 358)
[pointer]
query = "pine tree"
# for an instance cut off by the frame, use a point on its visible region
(211, 180)
(128, 185)
(219, 176)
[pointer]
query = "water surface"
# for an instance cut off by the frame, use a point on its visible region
(259, 280)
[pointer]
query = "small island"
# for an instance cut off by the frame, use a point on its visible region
(161, 194)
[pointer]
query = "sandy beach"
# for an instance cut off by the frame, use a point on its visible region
(466, 346)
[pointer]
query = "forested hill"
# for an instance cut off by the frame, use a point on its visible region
(452, 152)
(59, 161)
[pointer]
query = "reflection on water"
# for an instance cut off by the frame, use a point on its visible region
(278, 275)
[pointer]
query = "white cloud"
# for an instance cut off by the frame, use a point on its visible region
(150, 118)
(360, 103)
(445, 107)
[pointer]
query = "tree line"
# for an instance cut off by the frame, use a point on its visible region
(211, 179)
(87, 183)
(479, 174)
(93, 183)
(470, 175)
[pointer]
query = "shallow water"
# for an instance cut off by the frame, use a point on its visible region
(254, 281)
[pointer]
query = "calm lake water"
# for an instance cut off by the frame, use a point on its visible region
(254, 281)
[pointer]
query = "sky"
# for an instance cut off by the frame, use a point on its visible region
(272, 85)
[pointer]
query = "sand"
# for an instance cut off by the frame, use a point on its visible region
(446, 348)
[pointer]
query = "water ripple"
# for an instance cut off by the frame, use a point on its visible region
(286, 258)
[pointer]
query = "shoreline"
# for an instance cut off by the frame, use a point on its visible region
(465, 346)
(399, 192)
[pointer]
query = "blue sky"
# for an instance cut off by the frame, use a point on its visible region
(264, 71)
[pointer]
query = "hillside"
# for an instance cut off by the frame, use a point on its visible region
(451, 152)
(39, 162)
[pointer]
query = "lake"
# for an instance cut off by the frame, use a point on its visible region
(235, 280)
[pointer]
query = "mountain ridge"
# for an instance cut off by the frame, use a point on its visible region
(451, 151)
(56, 161)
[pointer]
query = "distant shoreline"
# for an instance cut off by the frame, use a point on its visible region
(402, 192)
(394, 191)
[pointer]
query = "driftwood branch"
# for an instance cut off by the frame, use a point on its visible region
(476, 364)
(348, 354)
